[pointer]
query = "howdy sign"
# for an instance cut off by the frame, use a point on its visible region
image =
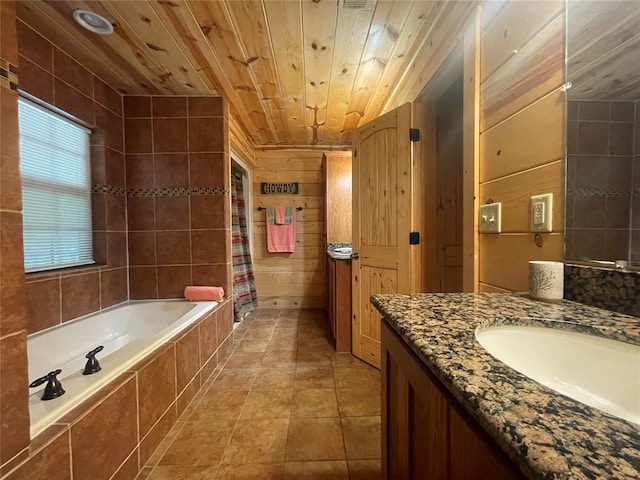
(289, 188)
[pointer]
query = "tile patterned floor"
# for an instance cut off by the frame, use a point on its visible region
(282, 405)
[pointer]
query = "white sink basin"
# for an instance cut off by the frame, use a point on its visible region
(602, 373)
(342, 253)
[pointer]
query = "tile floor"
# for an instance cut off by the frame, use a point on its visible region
(282, 405)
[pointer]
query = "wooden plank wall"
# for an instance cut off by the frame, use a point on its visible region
(291, 280)
(338, 201)
(240, 142)
(522, 118)
(447, 30)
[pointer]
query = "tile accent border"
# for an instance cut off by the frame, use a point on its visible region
(177, 191)
(613, 290)
(8, 75)
(210, 191)
(159, 192)
(603, 192)
(119, 191)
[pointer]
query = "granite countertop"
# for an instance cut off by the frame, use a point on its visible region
(548, 434)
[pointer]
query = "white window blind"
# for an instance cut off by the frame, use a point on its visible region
(56, 189)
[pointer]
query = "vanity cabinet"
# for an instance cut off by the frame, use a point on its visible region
(426, 433)
(339, 302)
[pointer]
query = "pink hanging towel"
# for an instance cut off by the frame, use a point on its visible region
(281, 237)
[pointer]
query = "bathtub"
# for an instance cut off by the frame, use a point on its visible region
(128, 333)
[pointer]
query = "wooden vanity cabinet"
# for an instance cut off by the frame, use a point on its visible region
(337, 173)
(339, 302)
(426, 434)
(331, 294)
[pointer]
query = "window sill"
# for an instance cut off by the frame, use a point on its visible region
(63, 272)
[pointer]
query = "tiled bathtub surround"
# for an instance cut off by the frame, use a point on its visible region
(603, 180)
(115, 431)
(195, 135)
(52, 76)
(547, 434)
(635, 201)
(178, 202)
(613, 290)
(14, 414)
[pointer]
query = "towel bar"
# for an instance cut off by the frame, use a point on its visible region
(264, 208)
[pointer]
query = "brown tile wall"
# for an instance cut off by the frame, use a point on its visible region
(190, 244)
(14, 412)
(600, 161)
(114, 433)
(178, 179)
(51, 75)
(635, 206)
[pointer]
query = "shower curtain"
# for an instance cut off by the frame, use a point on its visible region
(245, 298)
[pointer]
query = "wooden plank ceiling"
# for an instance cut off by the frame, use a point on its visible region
(603, 49)
(296, 72)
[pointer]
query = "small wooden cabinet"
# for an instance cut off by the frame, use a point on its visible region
(426, 433)
(339, 302)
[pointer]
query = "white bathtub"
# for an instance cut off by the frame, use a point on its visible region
(128, 332)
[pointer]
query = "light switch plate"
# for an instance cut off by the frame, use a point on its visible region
(490, 218)
(541, 213)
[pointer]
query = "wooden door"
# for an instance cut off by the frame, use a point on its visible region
(382, 213)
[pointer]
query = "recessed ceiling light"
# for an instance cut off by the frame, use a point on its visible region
(93, 22)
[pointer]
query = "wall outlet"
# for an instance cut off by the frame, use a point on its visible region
(541, 213)
(490, 218)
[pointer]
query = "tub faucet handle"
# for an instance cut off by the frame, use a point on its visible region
(54, 387)
(92, 366)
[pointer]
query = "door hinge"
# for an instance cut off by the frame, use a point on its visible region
(414, 134)
(414, 238)
(355, 153)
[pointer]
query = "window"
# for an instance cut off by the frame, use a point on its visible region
(56, 189)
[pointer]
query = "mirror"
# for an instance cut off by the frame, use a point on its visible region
(602, 209)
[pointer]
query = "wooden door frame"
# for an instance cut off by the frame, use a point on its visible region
(466, 55)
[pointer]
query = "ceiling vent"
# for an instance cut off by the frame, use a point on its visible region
(93, 22)
(355, 4)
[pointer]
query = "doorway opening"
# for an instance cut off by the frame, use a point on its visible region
(444, 177)
(449, 184)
